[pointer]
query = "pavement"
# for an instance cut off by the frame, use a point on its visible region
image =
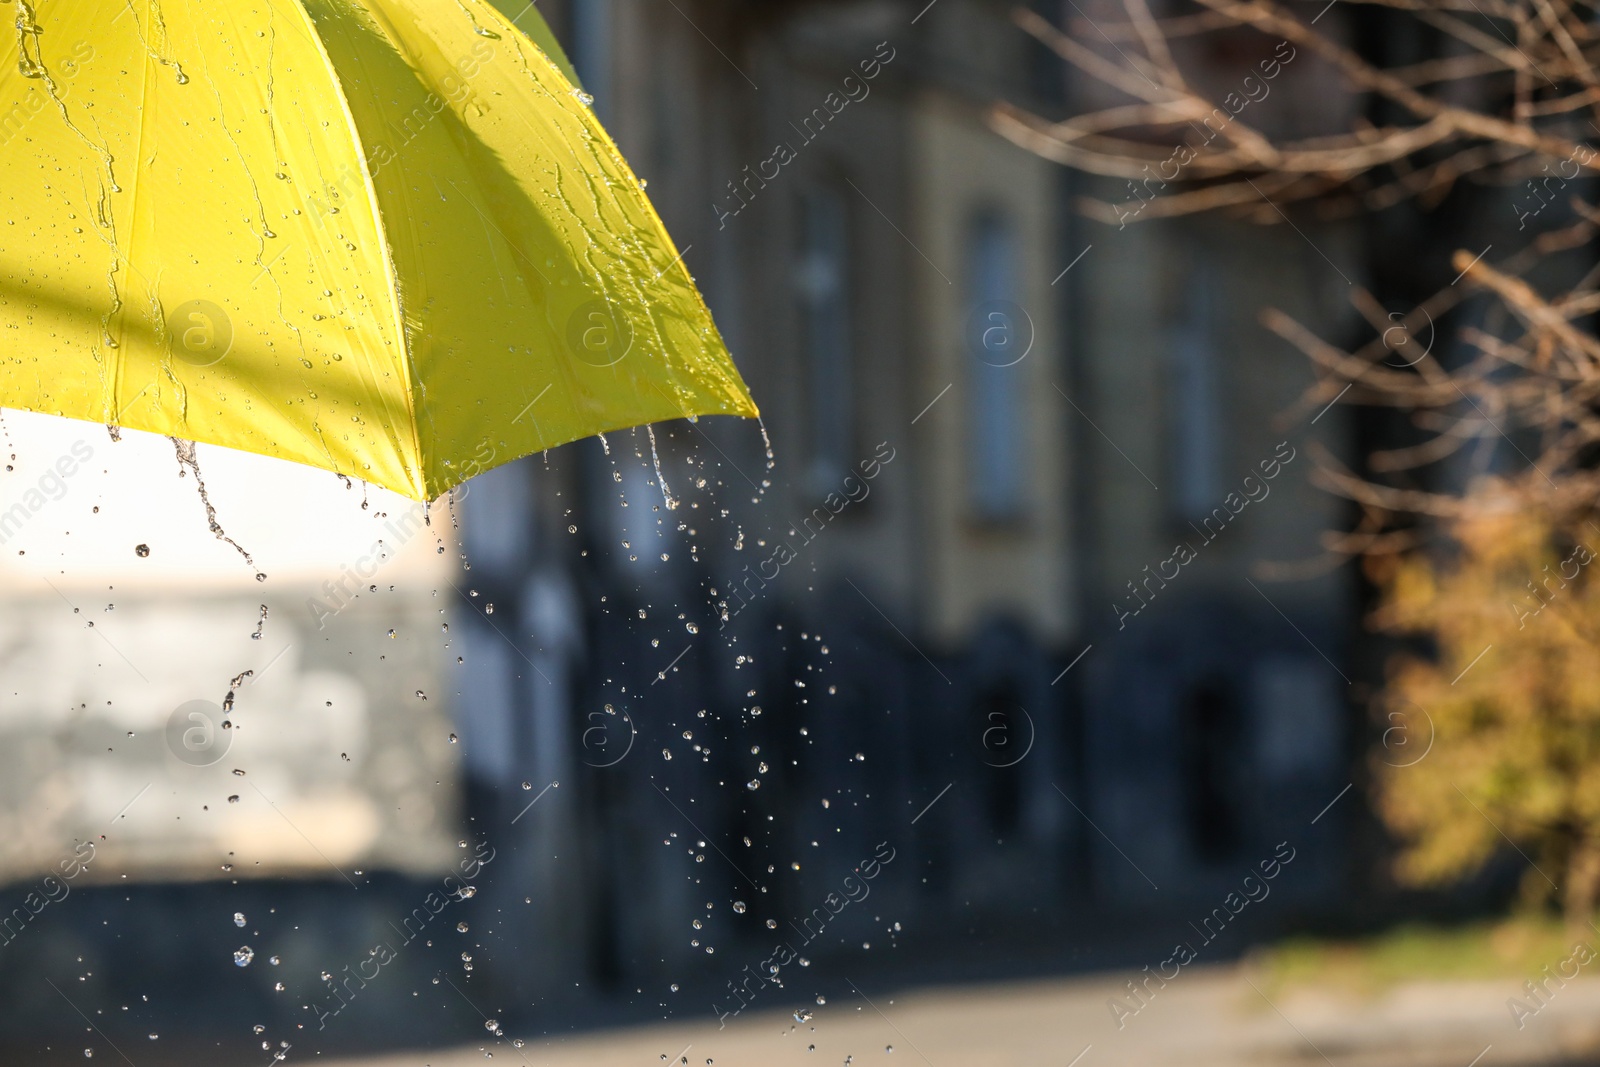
(1206, 1017)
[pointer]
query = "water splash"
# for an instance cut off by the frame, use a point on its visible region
(767, 441)
(233, 689)
(655, 456)
(260, 624)
(766, 483)
(190, 462)
(28, 31)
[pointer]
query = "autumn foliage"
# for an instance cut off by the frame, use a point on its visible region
(1494, 733)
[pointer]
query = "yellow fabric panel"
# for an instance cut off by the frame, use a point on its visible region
(140, 195)
(387, 239)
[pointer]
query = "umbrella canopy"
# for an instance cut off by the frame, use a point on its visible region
(387, 238)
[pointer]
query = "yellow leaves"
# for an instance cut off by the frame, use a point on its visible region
(1512, 690)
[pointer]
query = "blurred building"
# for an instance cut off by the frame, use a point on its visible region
(991, 425)
(944, 609)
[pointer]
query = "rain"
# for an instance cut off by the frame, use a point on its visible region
(859, 532)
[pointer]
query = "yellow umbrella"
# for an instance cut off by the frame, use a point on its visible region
(387, 238)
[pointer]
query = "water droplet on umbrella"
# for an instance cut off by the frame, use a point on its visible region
(452, 739)
(238, 918)
(739, 907)
(141, 550)
(242, 956)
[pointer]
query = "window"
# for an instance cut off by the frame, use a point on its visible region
(591, 51)
(1194, 415)
(824, 282)
(1212, 729)
(998, 336)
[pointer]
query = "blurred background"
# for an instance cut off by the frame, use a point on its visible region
(1003, 697)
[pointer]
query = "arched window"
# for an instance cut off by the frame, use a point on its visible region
(824, 284)
(998, 334)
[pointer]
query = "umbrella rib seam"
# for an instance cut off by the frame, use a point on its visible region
(391, 276)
